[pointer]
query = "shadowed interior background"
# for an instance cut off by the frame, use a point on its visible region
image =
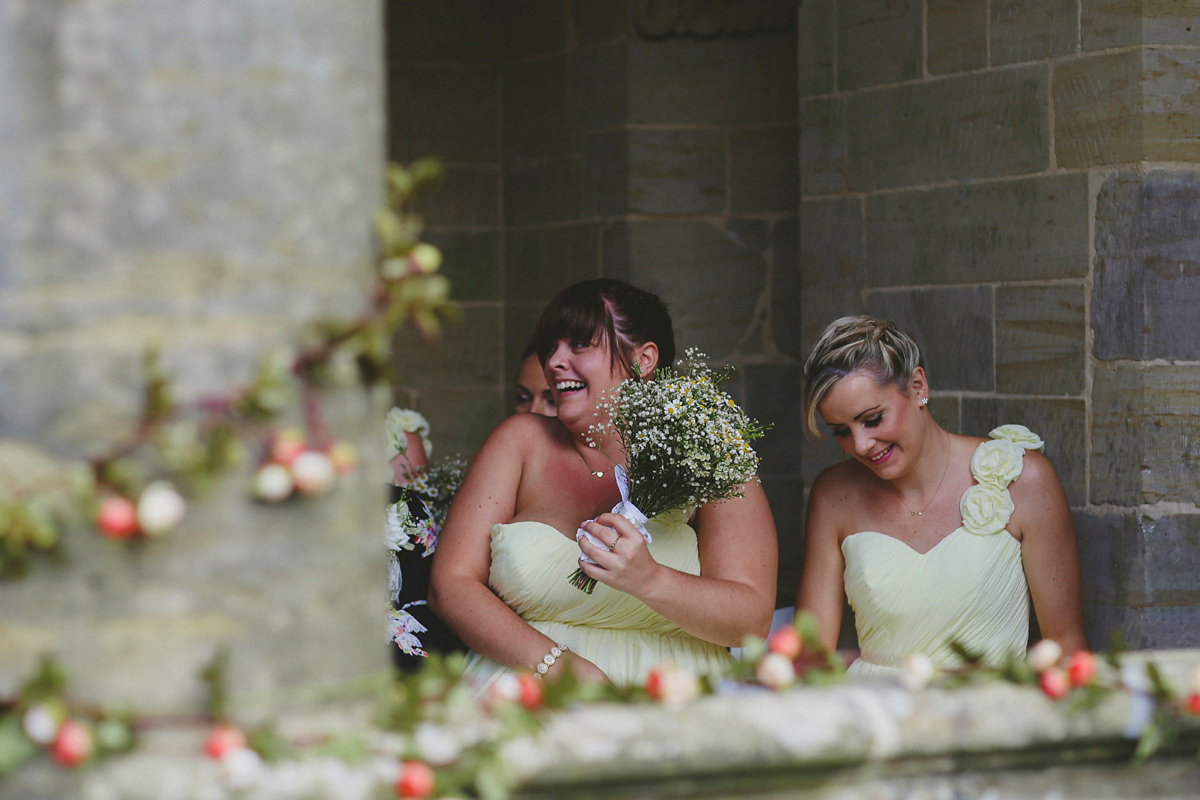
(1011, 181)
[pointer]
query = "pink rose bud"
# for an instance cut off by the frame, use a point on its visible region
(786, 641)
(1054, 682)
(530, 690)
(73, 744)
(273, 483)
(1081, 668)
(313, 472)
(917, 671)
(160, 508)
(415, 780)
(1044, 655)
(117, 518)
(287, 443)
(775, 671)
(223, 738)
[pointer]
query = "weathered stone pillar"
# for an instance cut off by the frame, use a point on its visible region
(197, 177)
(1140, 543)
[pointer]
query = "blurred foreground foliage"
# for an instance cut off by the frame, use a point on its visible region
(180, 448)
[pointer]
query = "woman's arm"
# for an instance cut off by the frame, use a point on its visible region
(734, 594)
(822, 582)
(458, 592)
(1049, 553)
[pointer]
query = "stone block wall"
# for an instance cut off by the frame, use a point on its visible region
(444, 100)
(1014, 184)
(198, 178)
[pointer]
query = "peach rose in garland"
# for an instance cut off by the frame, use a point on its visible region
(1019, 434)
(997, 462)
(985, 509)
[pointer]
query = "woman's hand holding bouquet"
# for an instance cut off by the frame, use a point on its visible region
(686, 444)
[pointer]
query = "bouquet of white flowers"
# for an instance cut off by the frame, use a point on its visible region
(437, 484)
(415, 521)
(685, 441)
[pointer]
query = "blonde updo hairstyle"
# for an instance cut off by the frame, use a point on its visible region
(856, 344)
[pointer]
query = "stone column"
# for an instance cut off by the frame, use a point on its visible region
(197, 177)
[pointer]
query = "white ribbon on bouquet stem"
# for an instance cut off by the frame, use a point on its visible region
(625, 508)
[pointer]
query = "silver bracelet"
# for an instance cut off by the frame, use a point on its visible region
(548, 660)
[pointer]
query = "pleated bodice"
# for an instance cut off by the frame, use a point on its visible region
(531, 566)
(970, 588)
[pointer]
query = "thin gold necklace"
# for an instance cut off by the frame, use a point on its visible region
(938, 488)
(599, 473)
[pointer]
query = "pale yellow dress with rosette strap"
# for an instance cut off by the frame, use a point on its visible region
(970, 588)
(531, 566)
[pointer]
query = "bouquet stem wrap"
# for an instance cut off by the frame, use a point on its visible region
(626, 508)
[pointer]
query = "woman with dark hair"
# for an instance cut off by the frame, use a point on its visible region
(531, 391)
(500, 575)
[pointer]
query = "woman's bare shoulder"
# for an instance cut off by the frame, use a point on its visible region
(525, 430)
(836, 501)
(1038, 476)
(840, 480)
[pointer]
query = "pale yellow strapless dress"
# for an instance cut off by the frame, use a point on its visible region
(969, 588)
(531, 566)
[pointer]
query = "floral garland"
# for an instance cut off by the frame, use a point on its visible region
(139, 487)
(451, 742)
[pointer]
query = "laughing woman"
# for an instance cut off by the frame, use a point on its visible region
(933, 537)
(500, 574)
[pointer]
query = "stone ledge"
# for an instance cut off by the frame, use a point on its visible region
(812, 733)
(864, 740)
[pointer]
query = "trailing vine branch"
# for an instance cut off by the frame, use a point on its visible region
(140, 485)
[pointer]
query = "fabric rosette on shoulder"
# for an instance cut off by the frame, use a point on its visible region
(986, 509)
(997, 462)
(1019, 435)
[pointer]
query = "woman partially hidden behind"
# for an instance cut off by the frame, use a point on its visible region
(501, 571)
(933, 537)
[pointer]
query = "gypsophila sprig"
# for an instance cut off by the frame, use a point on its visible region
(438, 483)
(686, 442)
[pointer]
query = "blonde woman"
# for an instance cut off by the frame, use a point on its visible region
(933, 537)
